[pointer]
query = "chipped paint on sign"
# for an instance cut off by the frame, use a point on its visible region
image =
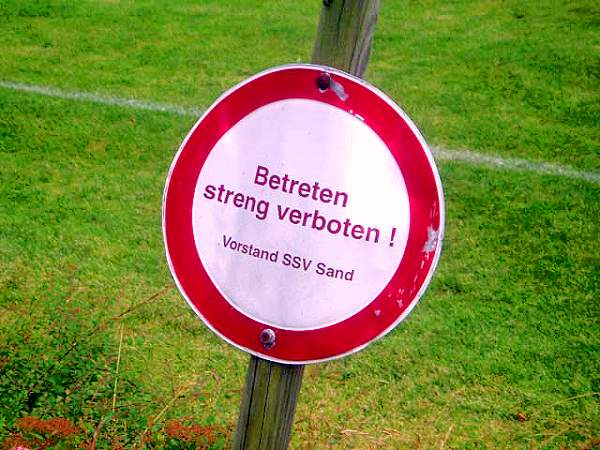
(432, 240)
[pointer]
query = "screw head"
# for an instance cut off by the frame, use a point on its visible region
(267, 338)
(323, 81)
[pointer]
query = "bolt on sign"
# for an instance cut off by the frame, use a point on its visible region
(303, 215)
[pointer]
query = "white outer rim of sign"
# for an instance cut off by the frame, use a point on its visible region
(429, 154)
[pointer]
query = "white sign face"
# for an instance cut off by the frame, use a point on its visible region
(300, 215)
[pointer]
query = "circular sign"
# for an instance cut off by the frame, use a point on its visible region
(303, 215)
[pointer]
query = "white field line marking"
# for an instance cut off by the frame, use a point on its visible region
(514, 164)
(474, 158)
(102, 99)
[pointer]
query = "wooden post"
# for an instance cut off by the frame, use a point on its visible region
(345, 34)
(268, 405)
(343, 41)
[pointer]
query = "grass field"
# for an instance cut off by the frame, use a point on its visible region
(503, 352)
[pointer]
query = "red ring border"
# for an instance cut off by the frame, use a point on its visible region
(426, 200)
